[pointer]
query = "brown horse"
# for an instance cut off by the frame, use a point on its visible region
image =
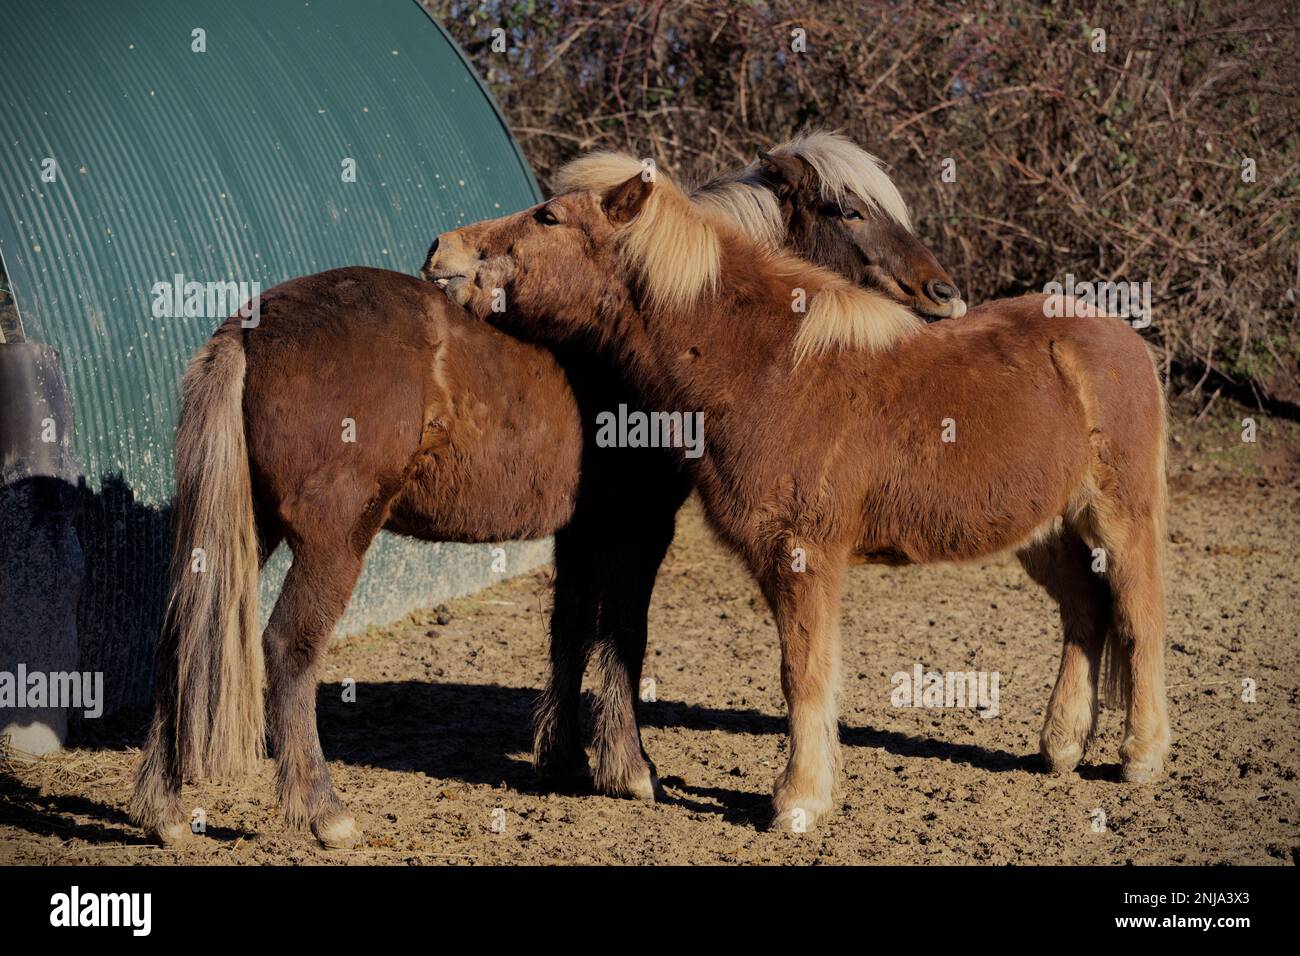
(830, 201)
(360, 402)
(825, 197)
(1030, 433)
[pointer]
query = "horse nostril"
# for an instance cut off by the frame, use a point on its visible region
(940, 291)
(432, 249)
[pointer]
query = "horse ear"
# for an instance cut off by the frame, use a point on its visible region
(783, 172)
(623, 203)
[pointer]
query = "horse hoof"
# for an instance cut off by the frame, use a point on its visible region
(635, 786)
(799, 814)
(337, 832)
(172, 834)
(796, 820)
(645, 787)
(1062, 760)
(1141, 773)
(1141, 760)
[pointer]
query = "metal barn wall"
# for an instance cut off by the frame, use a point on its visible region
(221, 165)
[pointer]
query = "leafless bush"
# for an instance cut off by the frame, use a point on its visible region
(1122, 164)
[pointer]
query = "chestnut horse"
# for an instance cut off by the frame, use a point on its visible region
(461, 434)
(854, 431)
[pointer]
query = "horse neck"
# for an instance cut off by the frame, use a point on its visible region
(679, 359)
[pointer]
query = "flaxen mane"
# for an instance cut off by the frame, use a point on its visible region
(675, 246)
(741, 198)
(844, 315)
(675, 251)
(845, 167)
(842, 167)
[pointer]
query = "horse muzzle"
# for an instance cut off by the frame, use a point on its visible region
(941, 301)
(451, 267)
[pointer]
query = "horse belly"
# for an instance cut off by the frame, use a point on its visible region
(948, 536)
(501, 456)
(933, 514)
(476, 496)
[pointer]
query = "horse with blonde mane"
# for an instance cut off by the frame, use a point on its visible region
(821, 448)
(444, 452)
(828, 199)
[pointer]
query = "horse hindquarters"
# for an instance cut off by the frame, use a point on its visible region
(329, 524)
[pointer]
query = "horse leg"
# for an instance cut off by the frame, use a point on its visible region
(1062, 564)
(806, 607)
(314, 596)
(156, 799)
(1135, 646)
(622, 766)
(623, 769)
(558, 754)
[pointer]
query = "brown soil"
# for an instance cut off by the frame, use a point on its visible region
(438, 737)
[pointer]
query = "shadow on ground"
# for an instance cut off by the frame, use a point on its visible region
(480, 733)
(473, 733)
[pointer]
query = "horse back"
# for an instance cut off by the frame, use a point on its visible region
(996, 426)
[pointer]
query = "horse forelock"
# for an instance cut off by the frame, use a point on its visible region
(598, 171)
(845, 167)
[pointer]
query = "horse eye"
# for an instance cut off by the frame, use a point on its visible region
(851, 214)
(546, 217)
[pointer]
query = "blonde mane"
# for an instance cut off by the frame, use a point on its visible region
(845, 167)
(746, 203)
(842, 167)
(844, 315)
(674, 245)
(840, 314)
(675, 251)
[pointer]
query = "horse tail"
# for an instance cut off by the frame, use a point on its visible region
(211, 623)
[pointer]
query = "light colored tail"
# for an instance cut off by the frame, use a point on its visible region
(212, 611)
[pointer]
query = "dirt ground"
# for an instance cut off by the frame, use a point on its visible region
(434, 750)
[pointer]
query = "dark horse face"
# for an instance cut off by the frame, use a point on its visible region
(857, 239)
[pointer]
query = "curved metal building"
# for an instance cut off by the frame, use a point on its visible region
(151, 145)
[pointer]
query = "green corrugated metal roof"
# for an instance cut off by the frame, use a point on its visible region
(222, 165)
